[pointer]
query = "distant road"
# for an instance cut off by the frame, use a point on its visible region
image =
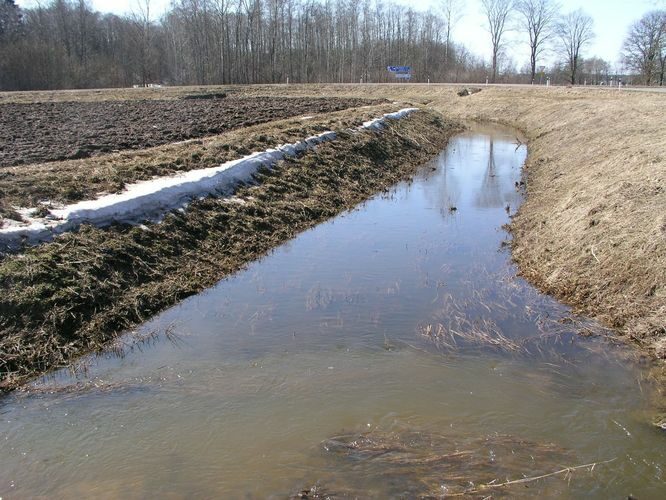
(646, 89)
(512, 85)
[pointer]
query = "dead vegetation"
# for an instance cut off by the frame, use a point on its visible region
(73, 295)
(590, 230)
(119, 94)
(509, 317)
(417, 463)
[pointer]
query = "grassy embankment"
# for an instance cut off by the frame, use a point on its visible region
(592, 230)
(66, 298)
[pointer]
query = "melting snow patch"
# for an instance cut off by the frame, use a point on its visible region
(378, 123)
(151, 200)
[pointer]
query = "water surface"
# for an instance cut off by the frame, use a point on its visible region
(402, 316)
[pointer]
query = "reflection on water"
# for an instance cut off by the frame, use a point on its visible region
(490, 194)
(400, 327)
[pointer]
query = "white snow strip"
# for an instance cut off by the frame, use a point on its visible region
(378, 123)
(152, 199)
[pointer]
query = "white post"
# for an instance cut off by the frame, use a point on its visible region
(428, 82)
(287, 80)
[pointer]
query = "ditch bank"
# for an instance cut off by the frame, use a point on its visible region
(152, 199)
(71, 296)
(592, 229)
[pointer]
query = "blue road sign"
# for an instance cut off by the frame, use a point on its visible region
(399, 69)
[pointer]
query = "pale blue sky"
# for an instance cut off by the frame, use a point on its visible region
(611, 18)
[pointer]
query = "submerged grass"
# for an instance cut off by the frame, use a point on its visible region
(73, 295)
(478, 318)
(407, 462)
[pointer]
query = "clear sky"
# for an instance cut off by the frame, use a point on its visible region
(611, 21)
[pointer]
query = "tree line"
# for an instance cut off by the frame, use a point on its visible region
(66, 44)
(569, 34)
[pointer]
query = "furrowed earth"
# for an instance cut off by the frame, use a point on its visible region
(53, 131)
(74, 180)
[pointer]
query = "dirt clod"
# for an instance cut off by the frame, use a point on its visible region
(468, 91)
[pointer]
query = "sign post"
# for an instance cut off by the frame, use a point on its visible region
(400, 72)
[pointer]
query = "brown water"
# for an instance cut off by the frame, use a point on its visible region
(402, 318)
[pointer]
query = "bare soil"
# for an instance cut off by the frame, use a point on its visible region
(71, 296)
(54, 131)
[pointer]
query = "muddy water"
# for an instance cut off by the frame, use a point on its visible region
(402, 318)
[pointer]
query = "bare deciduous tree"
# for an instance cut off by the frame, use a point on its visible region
(575, 31)
(141, 34)
(10, 20)
(596, 70)
(497, 14)
(662, 56)
(537, 19)
(452, 13)
(644, 48)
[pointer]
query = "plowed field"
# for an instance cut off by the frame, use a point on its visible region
(52, 131)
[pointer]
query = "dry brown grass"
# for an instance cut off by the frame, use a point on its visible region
(592, 230)
(94, 95)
